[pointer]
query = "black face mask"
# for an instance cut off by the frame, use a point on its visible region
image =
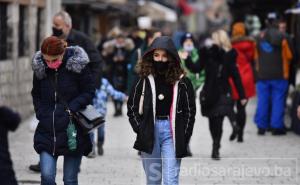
(160, 67)
(57, 32)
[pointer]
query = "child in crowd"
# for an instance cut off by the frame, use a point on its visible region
(100, 103)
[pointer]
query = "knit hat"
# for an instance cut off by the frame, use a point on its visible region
(185, 37)
(238, 29)
(53, 46)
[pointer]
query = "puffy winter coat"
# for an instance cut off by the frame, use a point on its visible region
(75, 84)
(245, 48)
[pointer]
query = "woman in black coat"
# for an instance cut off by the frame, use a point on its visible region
(161, 111)
(9, 121)
(218, 61)
(64, 69)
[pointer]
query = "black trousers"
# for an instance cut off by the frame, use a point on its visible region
(118, 106)
(216, 130)
(238, 117)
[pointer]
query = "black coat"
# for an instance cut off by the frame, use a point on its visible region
(77, 38)
(9, 121)
(183, 119)
(75, 84)
(117, 70)
(211, 59)
(182, 113)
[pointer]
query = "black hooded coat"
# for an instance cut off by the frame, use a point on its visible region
(9, 121)
(182, 112)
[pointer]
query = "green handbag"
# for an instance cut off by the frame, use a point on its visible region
(72, 133)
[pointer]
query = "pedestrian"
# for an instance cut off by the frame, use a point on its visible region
(245, 48)
(136, 56)
(62, 28)
(272, 67)
(117, 52)
(219, 62)
(161, 110)
(61, 76)
(100, 104)
(282, 27)
(9, 121)
(189, 47)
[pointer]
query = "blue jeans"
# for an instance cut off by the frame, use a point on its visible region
(101, 134)
(162, 163)
(270, 94)
(48, 169)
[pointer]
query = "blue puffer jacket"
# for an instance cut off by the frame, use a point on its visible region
(75, 84)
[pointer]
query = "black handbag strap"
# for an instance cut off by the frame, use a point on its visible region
(63, 101)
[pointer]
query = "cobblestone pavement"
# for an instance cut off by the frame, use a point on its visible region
(259, 160)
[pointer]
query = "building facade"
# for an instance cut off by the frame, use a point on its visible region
(23, 25)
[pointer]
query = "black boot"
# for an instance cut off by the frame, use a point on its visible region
(118, 109)
(278, 132)
(240, 138)
(235, 131)
(261, 131)
(35, 167)
(189, 153)
(232, 136)
(100, 148)
(215, 155)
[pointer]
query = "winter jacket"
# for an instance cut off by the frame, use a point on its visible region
(75, 84)
(294, 62)
(77, 38)
(9, 121)
(212, 60)
(198, 78)
(182, 112)
(182, 115)
(102, 95)
(135, 57)
(117, 74)
(273, 56)
(245, 48)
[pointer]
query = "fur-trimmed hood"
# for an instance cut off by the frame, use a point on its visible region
(109, 46)
(75, 57)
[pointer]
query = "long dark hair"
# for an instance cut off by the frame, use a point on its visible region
(173, 73)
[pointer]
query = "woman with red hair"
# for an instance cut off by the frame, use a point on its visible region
(62, 84)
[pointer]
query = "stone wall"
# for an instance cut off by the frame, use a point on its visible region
(15, 72)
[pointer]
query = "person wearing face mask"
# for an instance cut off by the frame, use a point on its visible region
(219, 62)
(61, 76)
(62, 28)
(161, 111)
(188, 49)
(117, 54)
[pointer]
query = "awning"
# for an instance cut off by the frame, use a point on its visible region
(158, 12)
(295, 10)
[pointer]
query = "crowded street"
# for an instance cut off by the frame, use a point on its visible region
(120, 164)
(149, 92)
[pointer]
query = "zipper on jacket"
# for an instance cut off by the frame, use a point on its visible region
(53, 117)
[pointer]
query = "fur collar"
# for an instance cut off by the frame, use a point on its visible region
(77, 59)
